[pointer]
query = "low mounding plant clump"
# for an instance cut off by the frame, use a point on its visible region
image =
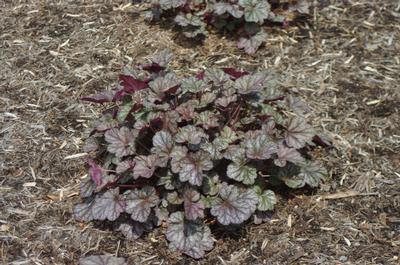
(244, 17)
(187, 152)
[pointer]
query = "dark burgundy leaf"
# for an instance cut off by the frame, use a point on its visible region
(101, 97)
(234, 73)
(189, 237)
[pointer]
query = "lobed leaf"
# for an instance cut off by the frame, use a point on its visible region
(234, 206)
(189, 237)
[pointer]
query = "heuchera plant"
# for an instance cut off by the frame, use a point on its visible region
(186, 152)
(243, 16)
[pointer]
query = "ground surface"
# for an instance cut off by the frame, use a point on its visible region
(346, 64)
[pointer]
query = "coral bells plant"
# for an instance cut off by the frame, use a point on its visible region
(187, 152)
(238, 16)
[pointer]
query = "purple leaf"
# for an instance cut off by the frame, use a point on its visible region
(288, 154)
(153, 67)
(101, 97)
(296, 104)
(163, 85)
(251, 45)
(261, 147)
(190, 134)
(95, 172)
(162, 146)
(194, 207)
(186, 111)
(178, 154)
(201, 75)
(193, 85)
(206, 99)
(102, 260)
(134, 230)
(125, 165)
(140, 202)
(235, 73)
(87, 187)
(130, 84)
(192, 167)
(298, 133)
(108, 206)
(121, 141)
(163, 57)
(91, 144)
(83, 212)
(222, 8)
(207, 119)
(322, 140)
(233, 206)
(250, 83)
(145, 166)
(189, 237)
(217, 76)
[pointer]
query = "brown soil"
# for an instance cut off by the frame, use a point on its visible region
(346, 64)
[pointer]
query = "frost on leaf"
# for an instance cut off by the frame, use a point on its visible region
(194, 207)
(287, 154)
(162, 146)
(240, 171)
(298, 133)
(145, 166)
(120, 141)
(108, 206)
(102, 260)
(251, 45)
(234, 206)
(193, 166)
(140, 201)
(260, 147)
(255, 10)
(267, 199)
(190, 134)
(189, 237)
